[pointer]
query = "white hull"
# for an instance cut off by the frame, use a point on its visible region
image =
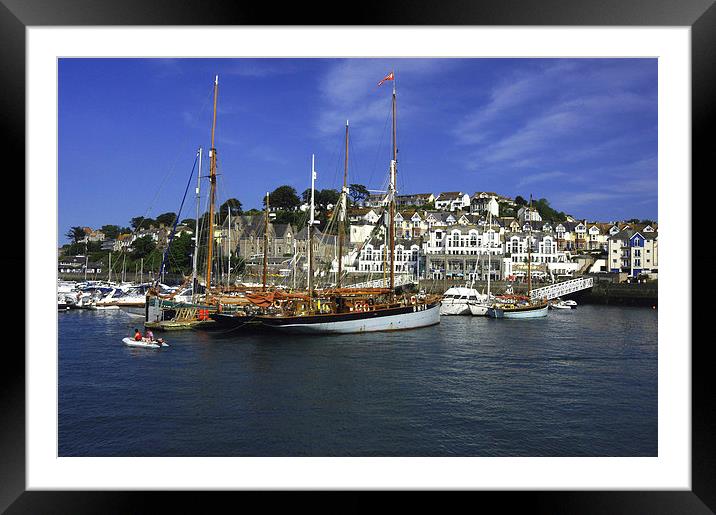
(454, 308)
(529, 313)
(135, 311)
(414, 320)
(478, 310)
(130, 342)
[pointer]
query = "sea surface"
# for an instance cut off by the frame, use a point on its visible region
(578, 383)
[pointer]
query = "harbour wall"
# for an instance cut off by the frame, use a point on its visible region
(620, 294)
(607, 293)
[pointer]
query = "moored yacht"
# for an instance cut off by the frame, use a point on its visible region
(458, 300)
(345, 310)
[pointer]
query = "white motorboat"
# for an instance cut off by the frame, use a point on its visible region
(61, 302)
(479, 310)
(562, 304)
(457, 300)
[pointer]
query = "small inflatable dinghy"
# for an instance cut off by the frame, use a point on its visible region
(131, 342)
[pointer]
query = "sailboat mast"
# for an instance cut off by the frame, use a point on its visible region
(212, 194)
(489, 253)
(309, 231)
(342, 214)
(195, 260)
(266, 239)
(393, 173)
(228, 279)
(529, 251)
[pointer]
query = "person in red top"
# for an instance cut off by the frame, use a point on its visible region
(137, 335)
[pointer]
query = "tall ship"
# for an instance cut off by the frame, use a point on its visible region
(515, 306)
(191, 303)
(343, 309)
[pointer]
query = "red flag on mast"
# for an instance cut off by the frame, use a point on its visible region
(390, 76)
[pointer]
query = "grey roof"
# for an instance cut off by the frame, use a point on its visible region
(451, 195)
(626, 234)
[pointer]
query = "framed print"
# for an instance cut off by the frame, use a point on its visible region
(93, 90)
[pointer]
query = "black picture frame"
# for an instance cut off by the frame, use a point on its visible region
(16, 15)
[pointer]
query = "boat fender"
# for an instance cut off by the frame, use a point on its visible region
(276, 304)
(412, 299)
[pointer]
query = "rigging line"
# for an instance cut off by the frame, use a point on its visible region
(176, 159)
(353, 166)
(176, 219)
(169, 173)
(380, 147)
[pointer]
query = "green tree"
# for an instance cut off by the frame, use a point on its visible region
(167, 219)
(520, 201)
(324, 198)
(547, 213)
(358, 193)
(140, 221)
(295, 218)
(284, 197)
(306, 196)
(189, 222)
(143, 246)
(179, 255)
(233, 204)
(75, 234)
(111, 231)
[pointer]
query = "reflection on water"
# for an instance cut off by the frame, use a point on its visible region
(578, 383)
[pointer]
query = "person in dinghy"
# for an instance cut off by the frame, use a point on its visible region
(149, 337)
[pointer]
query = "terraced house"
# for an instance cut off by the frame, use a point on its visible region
(633, 252)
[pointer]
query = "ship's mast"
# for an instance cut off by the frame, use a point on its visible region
(529, 251)
(489, 253)
(266, 240)
(228, 279)
(309, 231)
(393, 173)
(195, 260)
(212, 194)
(342, 214)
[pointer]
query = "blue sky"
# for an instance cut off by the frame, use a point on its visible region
(579, 132)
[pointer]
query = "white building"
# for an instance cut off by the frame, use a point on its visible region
(485, 202)
(373, 258)
(633, 252)
(525, 214)
(452, 200)
(547, 259)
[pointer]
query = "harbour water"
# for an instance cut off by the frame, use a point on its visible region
(577, 383)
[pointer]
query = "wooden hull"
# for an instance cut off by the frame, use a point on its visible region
(389, 319)
(519, 312)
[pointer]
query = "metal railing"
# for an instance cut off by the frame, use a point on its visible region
(564, 288)
(400, 280)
